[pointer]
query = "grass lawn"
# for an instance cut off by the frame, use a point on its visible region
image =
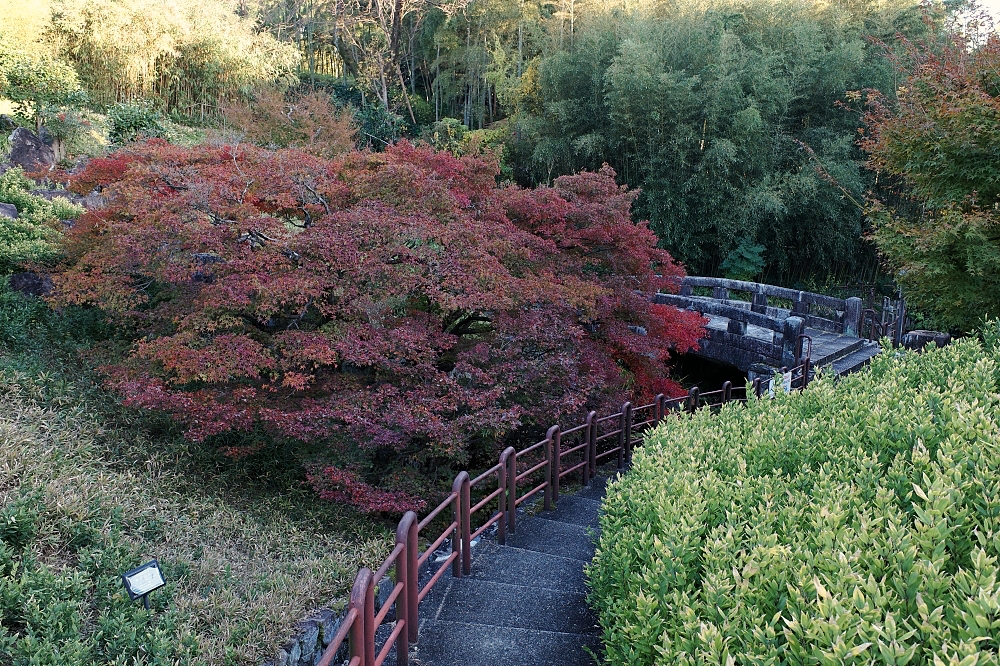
(89, 490)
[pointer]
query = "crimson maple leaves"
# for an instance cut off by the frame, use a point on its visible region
(399, 308)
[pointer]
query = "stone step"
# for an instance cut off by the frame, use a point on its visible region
(506, 564)
(445, 643)
(827, 352)
(856, 360)
(596, 489)
(555, 538)
(573, 509)
(496, 604)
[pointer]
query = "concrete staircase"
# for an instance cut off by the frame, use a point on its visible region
(525, 602)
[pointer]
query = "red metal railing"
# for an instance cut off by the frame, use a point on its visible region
(538, 469)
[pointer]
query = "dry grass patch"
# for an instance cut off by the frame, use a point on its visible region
(82, 502)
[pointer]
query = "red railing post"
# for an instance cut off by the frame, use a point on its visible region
(359, 595)
(466, 504)
(556, 439)
(406, 573)
(628, 434)
(507, 454)
(622, 435)
(412, 580)
(369, 619)
(593, 444)
(511, 516)
(727, 392)
(658, 409)
(805, 372)
(693, 394)
(585, 474)
(456, 537)
(547, 451)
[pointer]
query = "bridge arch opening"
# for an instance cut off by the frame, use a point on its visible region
(708, 375)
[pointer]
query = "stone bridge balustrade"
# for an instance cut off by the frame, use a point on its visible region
(753, 331)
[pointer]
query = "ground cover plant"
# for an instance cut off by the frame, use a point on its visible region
(89, 490)
(393, 313)
(857, 522)
(34, 236)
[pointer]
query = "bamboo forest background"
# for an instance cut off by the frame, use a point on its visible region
(738, 119)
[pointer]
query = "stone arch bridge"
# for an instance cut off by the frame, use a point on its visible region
(760, 327)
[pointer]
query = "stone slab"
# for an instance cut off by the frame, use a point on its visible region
(554, 538)
(574, 509)
(458, 644)
(523, 606)
(505, 564)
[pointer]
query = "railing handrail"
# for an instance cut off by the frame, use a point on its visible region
(793, 295)
(736, 313)
(361, 620)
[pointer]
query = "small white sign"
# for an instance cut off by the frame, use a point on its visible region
(144, 579)
(786, 382)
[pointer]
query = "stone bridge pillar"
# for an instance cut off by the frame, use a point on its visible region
(794, 327)
(852, 317)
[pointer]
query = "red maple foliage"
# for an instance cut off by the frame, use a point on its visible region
(399, 308)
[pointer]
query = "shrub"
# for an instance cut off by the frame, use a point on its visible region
(397, 310)
(34, 236)
(857, 522)
(130, 122)
(309, 121)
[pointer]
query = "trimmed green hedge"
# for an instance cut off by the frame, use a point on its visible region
(857, 522)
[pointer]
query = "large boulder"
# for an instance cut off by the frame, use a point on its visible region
(30, 152)
(50, 194)
(8, 210)
(31, 284)
(919, 339)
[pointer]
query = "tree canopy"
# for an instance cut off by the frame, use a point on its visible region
(937, 220)
(397, 307)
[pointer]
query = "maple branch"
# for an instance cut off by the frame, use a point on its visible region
(326, 206)
(176, 188)
(295, 321)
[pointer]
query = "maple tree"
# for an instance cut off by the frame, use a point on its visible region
(937, 221)
(400, 309)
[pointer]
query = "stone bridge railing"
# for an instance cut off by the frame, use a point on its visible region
(759, 330)
(826, 313)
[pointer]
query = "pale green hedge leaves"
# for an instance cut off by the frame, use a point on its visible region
(857, 522)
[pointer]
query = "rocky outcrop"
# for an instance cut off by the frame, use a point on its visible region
(7, 123)
(919, 339)
(31, 284)
(30, 152)
(8, 210)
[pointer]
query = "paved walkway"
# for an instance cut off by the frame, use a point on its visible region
(525, 602)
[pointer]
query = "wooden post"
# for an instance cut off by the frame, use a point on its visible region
(556, 467)
(628, 434)
(359, 595)
(547, 452)
(512, 493)
(622, 435)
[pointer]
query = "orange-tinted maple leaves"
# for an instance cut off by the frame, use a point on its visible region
(396, 305)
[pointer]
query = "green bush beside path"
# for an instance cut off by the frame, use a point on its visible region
(857, 522)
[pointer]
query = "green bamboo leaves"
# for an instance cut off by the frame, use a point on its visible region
(855, 523)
